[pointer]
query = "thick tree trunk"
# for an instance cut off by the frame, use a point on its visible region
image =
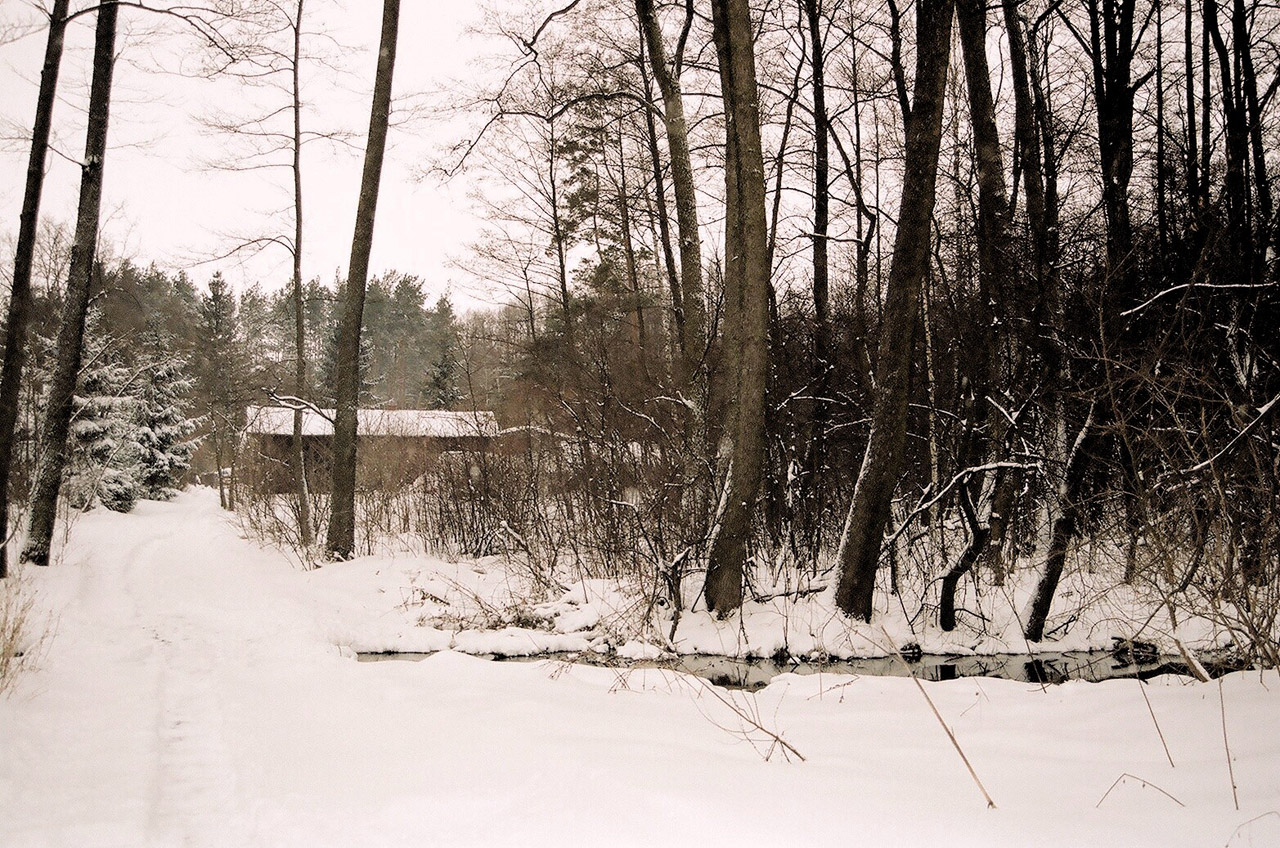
(15, 348)
(297, 457)
(746, 302)
(340, 543)
(58, 404)
(980, 535)
(860, 542)
(993, 201)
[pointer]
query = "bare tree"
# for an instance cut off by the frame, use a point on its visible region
(341, 538)
(746, 304)
(690, 308)
(882, 463)
(57, 418)
(15, 348)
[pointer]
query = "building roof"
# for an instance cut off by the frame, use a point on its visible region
(411, 423)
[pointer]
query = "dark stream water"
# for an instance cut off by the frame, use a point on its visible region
(751, 674)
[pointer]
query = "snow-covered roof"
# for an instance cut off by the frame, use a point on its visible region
(413, 423)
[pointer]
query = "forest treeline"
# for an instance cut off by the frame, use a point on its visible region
(220, 352)
(907, 301)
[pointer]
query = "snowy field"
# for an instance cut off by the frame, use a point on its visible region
(196, 689)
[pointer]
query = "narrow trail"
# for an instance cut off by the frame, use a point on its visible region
(196, 778)
(157, 628)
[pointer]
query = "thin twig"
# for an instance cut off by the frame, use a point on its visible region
(1243, 825)
(991, 805)
(1120, 780)
(1143, 688)
(1231, 770)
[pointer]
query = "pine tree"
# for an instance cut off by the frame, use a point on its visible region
(442, 390)
(163, 430)
(104, 450)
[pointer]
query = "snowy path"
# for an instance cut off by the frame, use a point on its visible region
(192, 695)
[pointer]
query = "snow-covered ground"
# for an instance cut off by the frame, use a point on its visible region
(198, 690)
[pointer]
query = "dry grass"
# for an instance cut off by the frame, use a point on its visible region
(20, 636)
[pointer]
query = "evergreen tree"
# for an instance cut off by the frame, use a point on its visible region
(163, 430)
(224, 380)
(104, 450)
(441, 345)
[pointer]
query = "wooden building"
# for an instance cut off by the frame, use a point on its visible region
(395, 446)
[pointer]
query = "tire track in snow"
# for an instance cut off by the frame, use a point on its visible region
(195, 800)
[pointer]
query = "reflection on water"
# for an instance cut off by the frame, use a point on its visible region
(751, 674)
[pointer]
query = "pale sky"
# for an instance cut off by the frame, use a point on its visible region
(162, 204)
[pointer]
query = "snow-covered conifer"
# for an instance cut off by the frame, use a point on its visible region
(163, 430)
(104, 464)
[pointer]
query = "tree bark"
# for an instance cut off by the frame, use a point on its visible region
(15, 348)
(1113, 46)
(860, 542)
(1063, 528)
(1189, 71)
(821, 284)
(994, 274)
(693, 320)
(297, 457)
(1242, 43)
(746, 302)
(57, 419)
(663, 219)
(340, 543)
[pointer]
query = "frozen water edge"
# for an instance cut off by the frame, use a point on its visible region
(756, 673)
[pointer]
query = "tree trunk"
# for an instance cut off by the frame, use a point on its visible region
(1063, 528)
(1112, 49)
(994, 275)
(663, 219)
(341, 538)
(629, 255)
(993, 200)
(882, 463)
(58, 404)
(693, 342)
(15, 348)
(980, 535)
(1242, 44)
(821, 216)
(297, 457)
(1189, 71)
(746, 302)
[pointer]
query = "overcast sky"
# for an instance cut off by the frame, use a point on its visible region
(162, 203)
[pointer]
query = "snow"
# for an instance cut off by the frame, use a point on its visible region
(196, 689)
